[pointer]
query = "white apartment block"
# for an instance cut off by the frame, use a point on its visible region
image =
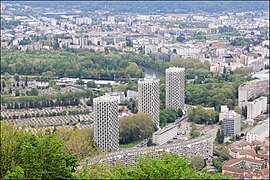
(226, 113)
(119, 96)
(106, 123)
(83, 41)
(149, 49)
(257, 65)
(84, 20)
(258, 133)
(148, 90)
(132, 94)
(256, 107)
(111, 19)
(165, 134)
(185, 50)
(231, 123)
(251, 89)
(175, 88)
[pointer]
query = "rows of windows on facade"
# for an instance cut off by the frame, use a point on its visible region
(106, 122)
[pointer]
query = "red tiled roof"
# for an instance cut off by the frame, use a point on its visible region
(247, 151)
(233, 161)
(233, 169)
(265, 171)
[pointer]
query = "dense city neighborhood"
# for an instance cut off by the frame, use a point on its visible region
(113, 87)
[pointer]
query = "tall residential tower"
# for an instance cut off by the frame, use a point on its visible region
(149, 98)
(106, 122)
(175, 88)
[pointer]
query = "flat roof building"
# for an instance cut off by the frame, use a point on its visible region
(258, 133)
(106, 122)
(256, 107)
(175, 88)
(231, 123)
(251, 89)
(165, 134)
(148, 90)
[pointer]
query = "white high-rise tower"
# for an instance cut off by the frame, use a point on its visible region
(149, 101)
(106, 122)
(175, 88)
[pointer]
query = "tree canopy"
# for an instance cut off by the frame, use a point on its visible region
(168, 167)
(33, 156)
(136, 127)
(80, 64)
(200, 116)
(25, 155)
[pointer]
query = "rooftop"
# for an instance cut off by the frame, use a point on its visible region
(259, 129)
(175, 69)
(232, 162)
(165, 129)
(105, 98)
(149, 80)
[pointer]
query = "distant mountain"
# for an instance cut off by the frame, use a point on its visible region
(156, 6)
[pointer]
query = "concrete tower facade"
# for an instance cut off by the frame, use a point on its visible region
(149, 101)
(106, 122)
(175, 88)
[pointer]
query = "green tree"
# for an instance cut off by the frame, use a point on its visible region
(41, 157)
(194, 131)
(11, 140)
(97, 171)
(243, 125)
(91, 84)
(17, 92)
(243, 70)
(238, 110)
(257, 148)
(169, 115)
(121, 87)
(32, 92)
(220, 136)
(77, 141)
(224, 154)
(52, 83)
(217, 164)
(168, 167)
(17, 77)
(132, 69)
(201, 116)
(198, 162)
(80, 82)
(38, 156)
(136, 127)
(17, 173)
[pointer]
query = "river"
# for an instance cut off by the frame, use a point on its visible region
(151, 73)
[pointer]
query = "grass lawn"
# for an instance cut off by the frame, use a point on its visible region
(130, 145)
(216, 36)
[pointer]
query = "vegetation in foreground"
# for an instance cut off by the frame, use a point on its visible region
(25, 155)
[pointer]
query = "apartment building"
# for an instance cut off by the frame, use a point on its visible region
(256, 107)
(251, 89)
(165, 134)
(175, 88)
(258, 133)
(106, 122)
(148, 90)
(231, 123)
